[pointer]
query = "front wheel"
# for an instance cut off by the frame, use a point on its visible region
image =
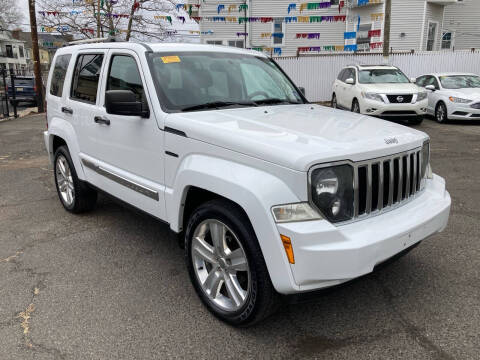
(226, 265)
(441, 114)
(355, 106)
(334, 101)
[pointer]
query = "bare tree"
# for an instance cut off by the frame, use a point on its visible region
(128, 19)
(10, 15)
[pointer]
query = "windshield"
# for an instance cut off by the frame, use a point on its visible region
(460, 81)
(192, 81)
(382, 76)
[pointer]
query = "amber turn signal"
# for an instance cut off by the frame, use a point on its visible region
(287, 244)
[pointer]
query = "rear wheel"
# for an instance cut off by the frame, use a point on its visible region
(75, 195)
(441, 114)
(226, 265)
(355, 106)
(334, 101)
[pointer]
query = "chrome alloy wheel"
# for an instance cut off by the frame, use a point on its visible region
(65, 180)
(441, 112)
(220, 265)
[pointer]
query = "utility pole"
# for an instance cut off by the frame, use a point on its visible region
(98, 19)
(386, 29)
(36, 56)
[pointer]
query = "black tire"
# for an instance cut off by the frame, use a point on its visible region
(85, 197)
(262, 299)
(441, 114)
(334, 101)
(355, 106)
(416, 121)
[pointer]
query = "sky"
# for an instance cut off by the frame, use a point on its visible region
(182, 28)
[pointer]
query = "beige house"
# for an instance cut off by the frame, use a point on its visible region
(12, 53)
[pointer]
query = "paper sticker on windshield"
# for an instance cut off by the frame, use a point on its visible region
(170, 59)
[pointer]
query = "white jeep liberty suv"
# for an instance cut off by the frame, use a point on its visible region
(271, 194)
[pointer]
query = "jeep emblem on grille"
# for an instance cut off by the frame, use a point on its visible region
(390, 141)
(400, 99)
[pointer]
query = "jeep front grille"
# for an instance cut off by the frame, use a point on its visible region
(383, 183)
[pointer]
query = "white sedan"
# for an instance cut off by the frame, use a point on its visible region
(452, 96)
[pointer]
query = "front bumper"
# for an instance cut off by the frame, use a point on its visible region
(389, 110)
(327, 255)
(462, 112)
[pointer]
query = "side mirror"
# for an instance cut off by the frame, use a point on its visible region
(350, 81)
(430, 87)
(124, 102)
(413, 80)
(302, 90)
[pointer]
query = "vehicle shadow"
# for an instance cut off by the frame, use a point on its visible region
(373, 307)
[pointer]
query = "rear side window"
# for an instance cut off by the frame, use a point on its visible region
(58, 76)
(124, 75)
(85, 77)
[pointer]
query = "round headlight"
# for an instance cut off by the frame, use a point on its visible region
(332, 192)
(326, 183)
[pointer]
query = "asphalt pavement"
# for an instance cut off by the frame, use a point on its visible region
(112, 284)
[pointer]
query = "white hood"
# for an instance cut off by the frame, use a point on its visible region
(297, 136)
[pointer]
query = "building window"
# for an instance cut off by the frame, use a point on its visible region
(236, 43)
(432, 35)
(334, 2)
(447, 40)
(20, 51)
(9, 51)
(215, 42)
(278, 32)
(363, 41)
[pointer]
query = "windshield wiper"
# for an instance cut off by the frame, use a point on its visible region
(275, 101)
(218, 105)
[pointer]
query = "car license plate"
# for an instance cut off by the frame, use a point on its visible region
(19, 89)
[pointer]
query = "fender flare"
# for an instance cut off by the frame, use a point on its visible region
(254, 190)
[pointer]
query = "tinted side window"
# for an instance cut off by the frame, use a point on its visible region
(124, 75)
(86, 76)
(430, 80)
(349, 73)
(58, 76)
(342, 73)
(421, 81)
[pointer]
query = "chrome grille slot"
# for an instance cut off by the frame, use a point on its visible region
(384, 183)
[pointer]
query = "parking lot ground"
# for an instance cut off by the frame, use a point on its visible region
(112, 284)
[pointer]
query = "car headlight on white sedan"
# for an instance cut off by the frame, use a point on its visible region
(372, 96)
(459, 100)
(422, 96)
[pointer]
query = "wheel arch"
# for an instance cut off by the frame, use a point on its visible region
(254, 191)
(61, 132)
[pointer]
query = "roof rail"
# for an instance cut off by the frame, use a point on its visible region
(92, 41)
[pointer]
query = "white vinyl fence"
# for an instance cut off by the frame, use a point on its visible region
(317, 73)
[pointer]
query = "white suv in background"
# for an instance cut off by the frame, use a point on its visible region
(380, 90)
(270, 194)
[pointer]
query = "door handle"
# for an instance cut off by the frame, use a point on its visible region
(67, 110)
(101, 120)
